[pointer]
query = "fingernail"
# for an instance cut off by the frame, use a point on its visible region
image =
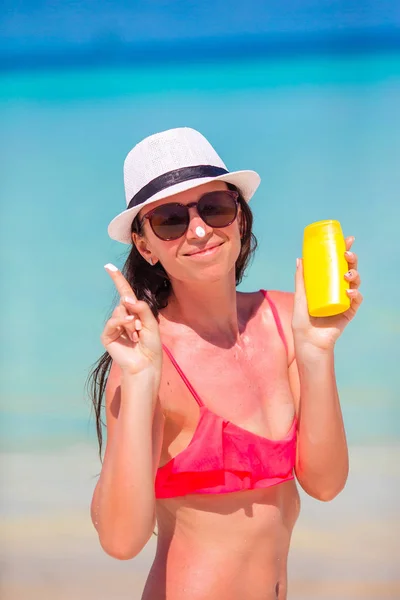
(129, 299)
(348, 274)
(111, 267)
(349, 254)
(138, 325)
(129, 318)
(297, 263)
(351, 292)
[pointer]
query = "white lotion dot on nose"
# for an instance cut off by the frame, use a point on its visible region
(200, 232)
(111, 267)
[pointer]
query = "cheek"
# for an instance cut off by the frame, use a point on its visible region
(234, 233)
(238, 247)
(166, 253)
(238, 241)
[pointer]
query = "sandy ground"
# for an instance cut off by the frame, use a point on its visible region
(347, 549)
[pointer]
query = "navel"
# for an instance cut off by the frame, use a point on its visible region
(277, 591)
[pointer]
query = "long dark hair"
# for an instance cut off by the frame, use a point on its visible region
(151, 283)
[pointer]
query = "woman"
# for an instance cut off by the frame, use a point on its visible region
(215, 398)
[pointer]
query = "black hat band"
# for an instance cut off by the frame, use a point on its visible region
(166, 180)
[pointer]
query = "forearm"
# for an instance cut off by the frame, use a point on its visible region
(322, 455)
(125, 502)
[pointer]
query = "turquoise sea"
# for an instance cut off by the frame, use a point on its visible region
(323, 132)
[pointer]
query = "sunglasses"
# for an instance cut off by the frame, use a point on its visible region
(171, 221)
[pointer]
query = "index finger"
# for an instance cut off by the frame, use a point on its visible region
(122, 285)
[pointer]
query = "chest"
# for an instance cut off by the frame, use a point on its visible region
(246, 385)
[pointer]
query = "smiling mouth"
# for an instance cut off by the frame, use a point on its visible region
(204, 251)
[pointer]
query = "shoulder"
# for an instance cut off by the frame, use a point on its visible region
(282, 300)
(280, 303)
(266, 299)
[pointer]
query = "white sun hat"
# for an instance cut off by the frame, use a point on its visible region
(169, 162)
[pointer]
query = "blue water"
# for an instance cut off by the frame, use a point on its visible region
(323, 132)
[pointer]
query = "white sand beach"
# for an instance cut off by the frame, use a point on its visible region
(346, 549)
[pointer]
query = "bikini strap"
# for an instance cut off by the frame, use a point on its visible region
(182, 374)
(277, 319)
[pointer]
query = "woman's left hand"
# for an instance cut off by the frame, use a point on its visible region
(322, 332)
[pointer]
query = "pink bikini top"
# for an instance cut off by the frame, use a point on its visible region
(223, 457)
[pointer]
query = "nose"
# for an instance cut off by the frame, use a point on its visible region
(197, 225)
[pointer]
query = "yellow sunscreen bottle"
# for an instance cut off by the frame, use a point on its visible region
(324, 266)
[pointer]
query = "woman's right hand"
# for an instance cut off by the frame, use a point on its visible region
(131, 336)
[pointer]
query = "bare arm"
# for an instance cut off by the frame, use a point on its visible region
(123, 505)
(322, 462)
(322, 456)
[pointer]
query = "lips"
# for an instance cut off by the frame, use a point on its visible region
(200, 250)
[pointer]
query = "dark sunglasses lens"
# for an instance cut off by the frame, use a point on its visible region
(218, 209)
(169, 221)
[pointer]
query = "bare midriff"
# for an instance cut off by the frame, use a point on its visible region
(224, 546)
